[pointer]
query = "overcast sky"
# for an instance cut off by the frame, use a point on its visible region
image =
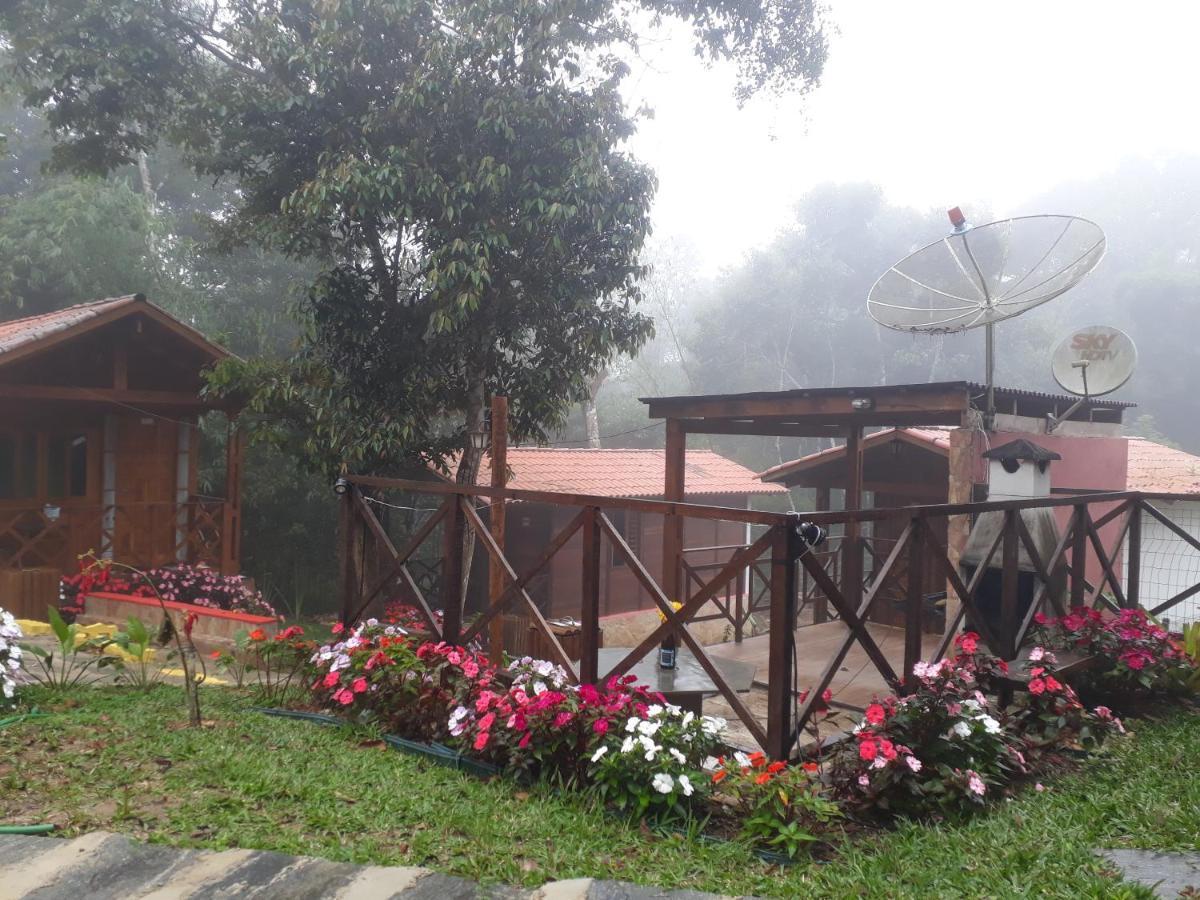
(942, 103)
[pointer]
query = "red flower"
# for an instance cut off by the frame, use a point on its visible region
(876, 714)
(776, 767)
(189, 623)
(359, 685)
(481, 740)
(258, 635)
(216, 654)
(867, 750)
(525, 739)
(338, 628)
(1052, 684)
(810, 767)
(331, 679)
(969, 642)
(600, 726)
(1037, 686)
(763, 778)
(719, 776)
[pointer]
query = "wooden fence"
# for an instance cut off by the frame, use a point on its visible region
(373, 566)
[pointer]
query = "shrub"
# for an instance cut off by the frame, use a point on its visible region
(782, 808)
(653, 766)
(1050, 714)
(279, 663)
(1132, 655)
(939, 750)
(141, 669)
(10, 657)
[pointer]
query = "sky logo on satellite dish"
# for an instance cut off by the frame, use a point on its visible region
(1096, 347)
(1093, 361)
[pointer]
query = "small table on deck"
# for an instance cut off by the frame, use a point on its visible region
(687, 684)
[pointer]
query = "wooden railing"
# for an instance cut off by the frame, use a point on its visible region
(780, 558)
(142, 534)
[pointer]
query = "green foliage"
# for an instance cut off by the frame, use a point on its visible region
(74, 662)
(457, 173)
(60, 243)
(141, 670)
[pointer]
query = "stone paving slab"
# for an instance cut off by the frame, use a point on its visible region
(1168, 874)
(104, 866)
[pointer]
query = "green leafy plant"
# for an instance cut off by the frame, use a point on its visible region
(141, 667)
(782, 808)
(278, 662)
(75, 661)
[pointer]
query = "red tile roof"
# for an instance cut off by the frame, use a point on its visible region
(623, 473)
(1156, 469)
(935, 438)
(19, 332)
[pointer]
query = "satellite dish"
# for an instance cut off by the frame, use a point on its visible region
(978, 276)
(1094, 361)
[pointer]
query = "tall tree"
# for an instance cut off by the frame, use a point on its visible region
(457, 169)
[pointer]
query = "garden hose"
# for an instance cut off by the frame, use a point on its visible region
(26, 829)
(13, 720)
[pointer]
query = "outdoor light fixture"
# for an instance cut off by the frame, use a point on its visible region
(479, 439)
(811, 533)
(862, 403)
(341, 486)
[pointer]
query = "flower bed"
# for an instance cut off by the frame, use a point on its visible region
(942, 749)
(10, 657)
(195, 586)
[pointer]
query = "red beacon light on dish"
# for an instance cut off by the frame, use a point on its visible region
(957, 219)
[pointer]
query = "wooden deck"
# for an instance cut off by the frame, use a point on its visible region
(856, 681)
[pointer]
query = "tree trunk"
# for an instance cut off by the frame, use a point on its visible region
(468, 474)
(590, 417)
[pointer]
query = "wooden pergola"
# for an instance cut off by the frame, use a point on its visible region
(837, 413)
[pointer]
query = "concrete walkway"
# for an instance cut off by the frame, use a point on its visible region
(104, 866)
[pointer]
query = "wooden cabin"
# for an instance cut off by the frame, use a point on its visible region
(99, 441)
(711, 479)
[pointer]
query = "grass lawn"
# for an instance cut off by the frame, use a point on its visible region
(114, 759)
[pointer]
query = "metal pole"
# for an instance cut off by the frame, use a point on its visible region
(990, 365)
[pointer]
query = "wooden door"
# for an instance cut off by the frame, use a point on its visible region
(146, 463)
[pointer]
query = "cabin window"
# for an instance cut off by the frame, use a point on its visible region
(629, 525)
(67, 466)
(18, 466)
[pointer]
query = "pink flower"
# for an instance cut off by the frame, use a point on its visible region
(867, 750)
(525, 739)
(864, 781)
(1039, 787)
(1103, 712)
(975, 784)
(1037, 686)
(338, 628)
(913, 763)
(487, 722)
(470, 669)
(562, 720)
(331, 679)
(600, 726)
(344, 697)
(875, 714)
(481, 740)
(359, 685)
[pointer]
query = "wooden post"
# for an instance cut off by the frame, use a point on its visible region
(915, 599)
(349, 535)
(589, 653)
(453, 529)
(231, 509)
(820, 602)
(1133, 574)
(673, 490)
(1079, 555)
(499, 470)
(852, 557)
(780, 702)
(1009, 577)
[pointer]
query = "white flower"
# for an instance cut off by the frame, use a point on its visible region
(674, 710)
(653, 711)
(663, 783)
(688, 718)
(1036, 654)
(961, 729)
(686, 784)
(539, 687)
(913, 763)
(710, 764)
(9, 689)
(864, 781)
(599, 753)
(627, 745)
(879, 762)
(972, 705)
(371, 623)
(990, 725)
(460, 712)
(679, 757)
(712, 724)
(632, 725)
(648, 728)
(742, 759)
